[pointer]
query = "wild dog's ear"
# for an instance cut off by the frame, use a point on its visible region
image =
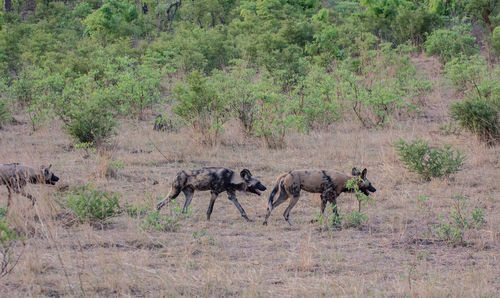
(50, 166)
(363, 174)
(355, 172)
(246, 175)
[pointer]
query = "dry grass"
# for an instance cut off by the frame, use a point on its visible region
(388, 257)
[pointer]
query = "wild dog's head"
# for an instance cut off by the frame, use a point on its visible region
(253, 185)
(364, 184)
(48, 175)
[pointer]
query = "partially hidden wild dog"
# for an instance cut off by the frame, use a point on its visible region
(15, 176)
(329, 184)
(215, 179)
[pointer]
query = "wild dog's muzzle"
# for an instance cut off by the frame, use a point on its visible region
(257, 189)
(369, 189)
(53, 179)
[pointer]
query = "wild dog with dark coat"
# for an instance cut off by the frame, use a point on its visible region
(215, 179)
(15, 176)
(329, 183)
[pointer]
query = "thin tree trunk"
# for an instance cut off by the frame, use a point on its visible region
(7, 5)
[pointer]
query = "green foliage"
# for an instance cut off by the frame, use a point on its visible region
(353, 185)
(379, 85)
(201, 106)
(91, 123)
(92, 205)
(3, 212)
(468, 73)
(495, 40)
(136, 210)
(8, 240)
(355, 219)
(5, 116)
(462, 218)
(331, 220)
(315, 100)
(112, 20)
(275, 116)
(479, 117)
(427, 161)
(160, 222)
(451, 43)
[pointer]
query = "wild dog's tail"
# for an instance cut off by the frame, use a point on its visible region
(275, 191)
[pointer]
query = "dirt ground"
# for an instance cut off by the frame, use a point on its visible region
(390, 255)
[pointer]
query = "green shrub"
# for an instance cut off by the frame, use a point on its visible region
(3, 212)
(448, 44)
(5, 116)
(479, 117)
(201, 106)
(330, 220)
(91, 122)
(161, 222)
(355, 219)
(92, 205)
(429, 162)
(462, 218)
(8, 255)
(495, 40)
(353, 184)
(136, 210)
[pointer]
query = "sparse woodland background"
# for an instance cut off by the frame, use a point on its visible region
(408, 89)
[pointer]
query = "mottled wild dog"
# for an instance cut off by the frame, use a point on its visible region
(215, 179)
(329, 183)
(15, 176)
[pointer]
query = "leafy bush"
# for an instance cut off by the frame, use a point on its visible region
(91, 122)
(479, 117)
(8, 255)
(427, 161)
(462, 218)
(200, 105)
(330, 220)
(3, 212)
(136, 210)
(468, 73)
(495, 40)
(353, 184)
(92, 205)
(161, 222)
(4, 113)
(450, 43)
(355, 219)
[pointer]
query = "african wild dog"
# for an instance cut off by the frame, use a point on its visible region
(15, 176)
(329, 183)
(215, 179)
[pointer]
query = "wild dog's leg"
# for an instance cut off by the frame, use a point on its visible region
(9, 198)
(283, 196)
(188, 192)
(232, 196)
(172, 194)
(286, 214)
(211, 205)
(333, 200)
(30, 197)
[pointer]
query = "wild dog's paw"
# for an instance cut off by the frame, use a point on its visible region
(160, 205)
(264, 223)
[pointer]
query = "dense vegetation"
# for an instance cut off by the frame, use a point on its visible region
(273, 65)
